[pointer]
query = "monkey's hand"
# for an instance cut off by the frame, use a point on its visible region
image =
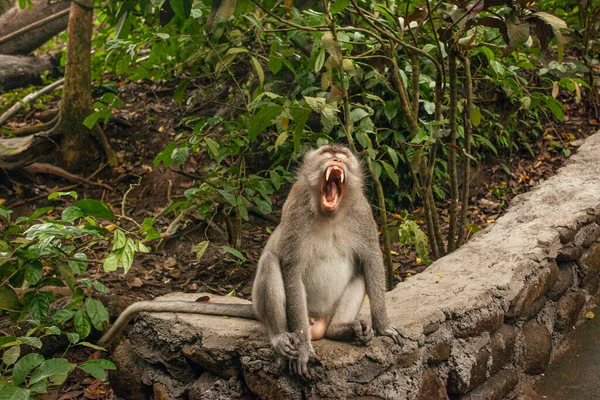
(286, 345)
(391, 331)
(306, 352)
(362, 331)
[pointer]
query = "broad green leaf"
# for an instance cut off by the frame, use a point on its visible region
(234, 252)
(24, 366)
(259, 71)
(241, 208)
(73, 337)
(33, 272)
(121, 258)
(82, 324)
(555, 107)
(100, 287)
(9, 299)
(180, 155)
(228, 196)
(39, 387)
(300, 116)
(357, 114)
(475, 116)
(280, 140)
(11, 355)
(338, 6)
(39, 306)
(182, 8)
(54, 369)
(391, 172)
(63, 315)
(95, 208)
(320, 60)
(72, 213)
(200, 249)
(31, 341)
(97, 368)
(262, 120)
(97, 312)
(213, 146)
(9, 392)
(119, 239)
(275, 65)
(317, 104)
(78, 267)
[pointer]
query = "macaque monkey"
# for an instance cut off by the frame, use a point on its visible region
(315, 268)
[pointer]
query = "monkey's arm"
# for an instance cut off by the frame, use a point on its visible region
(297, 316)
(374, 271)
(190, 307)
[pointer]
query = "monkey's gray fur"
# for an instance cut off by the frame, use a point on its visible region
(318, 263)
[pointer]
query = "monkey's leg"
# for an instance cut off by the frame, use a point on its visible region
(344, 325)
(268, 300)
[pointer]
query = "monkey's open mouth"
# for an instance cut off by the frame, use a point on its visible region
(332, 187)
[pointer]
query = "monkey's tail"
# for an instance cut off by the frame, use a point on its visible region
(176, 306)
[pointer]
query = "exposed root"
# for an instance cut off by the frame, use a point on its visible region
(99, 135)
(30, 130)
(42, 168)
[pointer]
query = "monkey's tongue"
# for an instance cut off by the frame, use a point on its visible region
(331, 191)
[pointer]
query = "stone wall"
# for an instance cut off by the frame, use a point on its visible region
(474, 323)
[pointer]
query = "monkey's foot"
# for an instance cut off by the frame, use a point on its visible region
(392, 332)
(362, 331)
(299, 366)
(286, 344)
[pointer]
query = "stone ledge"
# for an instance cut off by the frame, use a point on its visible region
(472, 313)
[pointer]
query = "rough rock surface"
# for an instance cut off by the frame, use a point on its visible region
(469, 315)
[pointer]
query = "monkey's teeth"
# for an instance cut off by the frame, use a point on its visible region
(342, 176)
(327, 174)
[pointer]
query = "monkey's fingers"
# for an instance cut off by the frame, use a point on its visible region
(363, 332)
(392, 332)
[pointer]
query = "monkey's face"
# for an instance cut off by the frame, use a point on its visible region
(331, 171)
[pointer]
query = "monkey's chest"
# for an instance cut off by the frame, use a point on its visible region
(326, 277)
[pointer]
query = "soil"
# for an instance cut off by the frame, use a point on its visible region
(148, 121)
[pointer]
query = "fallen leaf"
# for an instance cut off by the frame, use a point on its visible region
(589, 315)
(135, 283)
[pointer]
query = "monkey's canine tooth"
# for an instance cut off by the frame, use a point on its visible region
(342, 176)
(327, 174)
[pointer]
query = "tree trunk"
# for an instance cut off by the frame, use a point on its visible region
(16, 18)
(77, 144)
(19, 71)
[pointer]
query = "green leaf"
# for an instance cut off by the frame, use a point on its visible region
(200, 249)
(72, 213)
(9, 299)
(78, 267)
(24, 366)
(95, 208)
(281, 140)
(234, 252)
(180, 155)
(91, 346)
(63, 315)
(100, 287)
(97, 312)
(263, 119)
(97, 368)
(54, 369)
(182, 8)
(73, 337)
(259, 70)
(357, 114)
(320, 60)
(554, 106)
(121, 257)
(33, 272)
(391, 109)
(9, 392)
(300, 116)
(11, 355)
(228, 196)
(39, 387)
(338, 6)
(39, 306)
(165, 156)
(31, 341)
(119, 239)
(275, 65)
(475, 116)
(391, 172)
(61, 194)
(82, 324)
(213, 146)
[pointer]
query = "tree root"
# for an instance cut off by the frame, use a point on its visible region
(30, 130)
(42, 168)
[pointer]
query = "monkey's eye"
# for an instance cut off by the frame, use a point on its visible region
(327, 155)
(341, 155)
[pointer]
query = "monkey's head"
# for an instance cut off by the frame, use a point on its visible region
(333, 173)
